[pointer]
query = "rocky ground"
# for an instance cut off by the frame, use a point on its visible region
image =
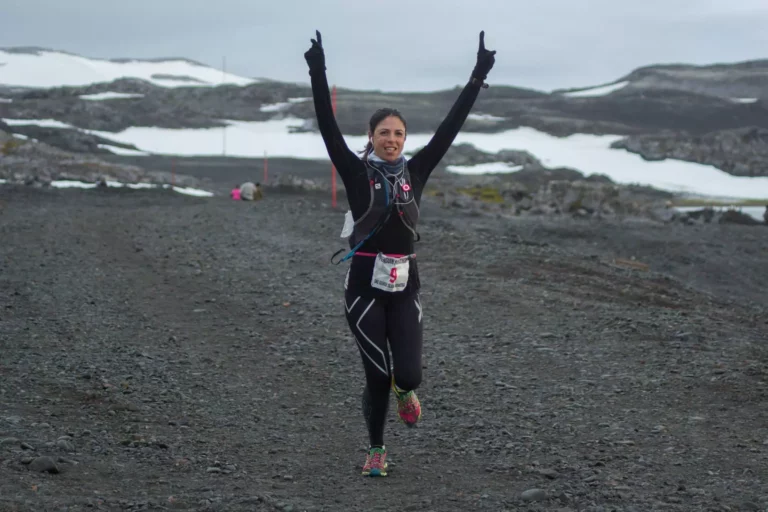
(37, 163)
(534, 189)
(167, 352)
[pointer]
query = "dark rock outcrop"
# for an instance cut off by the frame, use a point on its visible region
(36, 163)
(70, 140)
(711, 216)
(466, 154)
(742, 152)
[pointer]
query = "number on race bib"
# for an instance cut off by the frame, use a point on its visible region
(390, 273)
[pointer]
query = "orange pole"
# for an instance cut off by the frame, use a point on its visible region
(265, 168)
(333, 167)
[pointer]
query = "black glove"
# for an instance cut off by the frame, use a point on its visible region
(485, 60)
(315, 56)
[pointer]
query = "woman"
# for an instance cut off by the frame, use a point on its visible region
(382, 284)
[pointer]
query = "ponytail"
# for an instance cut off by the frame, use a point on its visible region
(368, 148)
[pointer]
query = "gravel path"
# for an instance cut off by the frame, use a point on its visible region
(166, 352)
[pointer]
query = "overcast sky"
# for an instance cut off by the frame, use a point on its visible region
(431, 44)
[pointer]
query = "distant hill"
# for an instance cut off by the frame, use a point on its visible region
(664, 111)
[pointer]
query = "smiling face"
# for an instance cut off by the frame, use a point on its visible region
(388, 138)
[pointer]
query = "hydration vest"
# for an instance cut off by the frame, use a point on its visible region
(387, 198)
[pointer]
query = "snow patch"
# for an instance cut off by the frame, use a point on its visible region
(82, 184)
(122, 151)
(484, 117)
(486, 168)
(55, 69)
(116, 184)
(191, 191)
(109, 96)
(590, 154)
(45, 123)
(274, 107)
(72, 184)
(597, 91)
(277, 107)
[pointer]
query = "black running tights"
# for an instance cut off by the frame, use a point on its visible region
(374, 321)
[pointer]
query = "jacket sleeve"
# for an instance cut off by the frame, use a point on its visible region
(345, 161)
(424, 162)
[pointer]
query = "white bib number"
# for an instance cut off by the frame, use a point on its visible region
(390, 274)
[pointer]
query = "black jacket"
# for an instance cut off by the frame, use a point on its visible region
(394, 237)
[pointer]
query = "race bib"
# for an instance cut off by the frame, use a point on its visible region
(390, 274)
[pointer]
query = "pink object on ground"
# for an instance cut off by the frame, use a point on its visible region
(235, 194)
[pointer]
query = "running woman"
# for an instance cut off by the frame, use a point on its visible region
(384, 189)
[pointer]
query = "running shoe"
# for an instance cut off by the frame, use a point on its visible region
(408, 405)
(376, 462)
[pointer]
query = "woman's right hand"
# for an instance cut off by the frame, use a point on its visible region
(485, 60)
(315, 56)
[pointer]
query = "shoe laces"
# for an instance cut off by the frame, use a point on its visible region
(376, 457)
(407, 401)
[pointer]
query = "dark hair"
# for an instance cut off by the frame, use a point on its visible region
(377, 118)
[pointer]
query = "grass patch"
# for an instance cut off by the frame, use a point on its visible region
(717, 202)
(484, 194)
(10, 146)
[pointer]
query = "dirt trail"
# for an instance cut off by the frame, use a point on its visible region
(180, 353)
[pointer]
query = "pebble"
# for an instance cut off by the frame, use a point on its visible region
(534, 495)
(43, 464)
(549, 473)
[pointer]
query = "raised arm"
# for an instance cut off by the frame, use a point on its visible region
(341, 156)
(424, 162)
